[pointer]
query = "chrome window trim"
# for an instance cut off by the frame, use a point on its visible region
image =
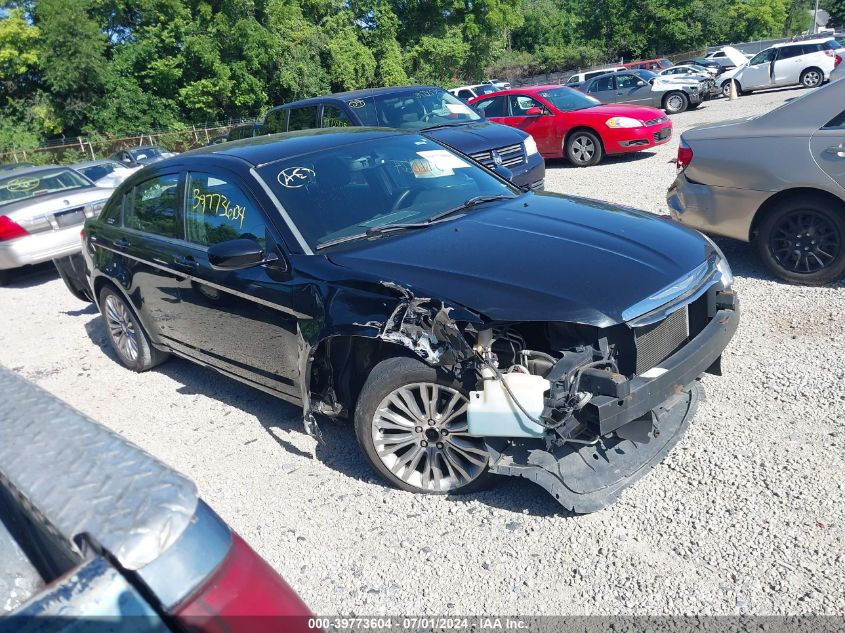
(281, 209)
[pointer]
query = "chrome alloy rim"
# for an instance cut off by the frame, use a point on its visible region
(121, 328)
(583, 149)
(675, 103)
(805, 242)
(812, 79)
(420, 435)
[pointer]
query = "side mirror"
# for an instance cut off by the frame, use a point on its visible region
(640, 83)
(235, 254)
(535, 111)
(127, 160)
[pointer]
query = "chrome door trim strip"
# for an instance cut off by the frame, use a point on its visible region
(205, 282)
(288, 221)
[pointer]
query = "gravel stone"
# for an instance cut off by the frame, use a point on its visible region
(728, 523)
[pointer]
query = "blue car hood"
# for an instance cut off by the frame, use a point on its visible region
(536, 258)
(470, 138)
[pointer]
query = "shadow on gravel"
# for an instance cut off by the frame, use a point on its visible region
(32, 276)
(88, 309)
(745, 262)
(562, 163)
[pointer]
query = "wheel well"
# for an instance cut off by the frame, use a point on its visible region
(809, 68)
(581, 128)
(342, 364)
(782, 196)
(99, 284)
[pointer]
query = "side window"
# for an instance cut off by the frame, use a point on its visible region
(838, 122)
(302, 118)
(763, 57)
(809, 49)
(789, 51)
(276, 121)
(219, 211)
(495, 106)
(465, 94)
(334, 116)
(154, 206)
(626, 82)
(520, 104)
(113, 210)
(601, 84)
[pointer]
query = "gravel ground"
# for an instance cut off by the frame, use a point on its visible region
(744, 516)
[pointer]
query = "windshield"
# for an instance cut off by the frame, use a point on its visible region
(416, 110)
(345, 190)
(569, 100)
(144, 153)
(39, 183)
(646, 74)
(485, 89)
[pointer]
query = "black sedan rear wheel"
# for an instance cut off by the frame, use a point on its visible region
(583, 148)
(803, 241)
(127, 336)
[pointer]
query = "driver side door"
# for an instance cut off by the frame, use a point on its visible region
(541, 126)
(239, 321)
(603, 89)
(758, 73)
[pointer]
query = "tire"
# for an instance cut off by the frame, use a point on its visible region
(812, 78)
(675, 102)
(726, 89)
(406, 454)
(583, 148)
(802, 241)
(5, 277)
(127, 336)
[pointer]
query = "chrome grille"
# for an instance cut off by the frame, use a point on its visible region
(656, 121)
(510, 154)
(658, 341)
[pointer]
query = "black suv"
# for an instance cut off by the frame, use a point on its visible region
(466, 326)
(428, 110)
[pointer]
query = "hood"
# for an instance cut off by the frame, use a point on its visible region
(737, 58)
(679, 80)
(537, 258)
(51, 203)
(477, 136)
(607, 111)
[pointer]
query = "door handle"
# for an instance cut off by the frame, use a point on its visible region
(185, 263)
(123, 243)
(837, 150)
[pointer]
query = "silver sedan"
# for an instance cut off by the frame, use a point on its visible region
(42, 210)
(777, 180)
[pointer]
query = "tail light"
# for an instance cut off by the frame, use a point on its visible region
(684, 156)
(837, 61)
(9, 229)
(244, 585)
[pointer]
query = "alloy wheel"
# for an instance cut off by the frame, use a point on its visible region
(420, 434)
(583, 149)
(805, 242)
(121, 328)
(675, 103)
(812, 78)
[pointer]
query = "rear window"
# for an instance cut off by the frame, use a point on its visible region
(40, 183)
(154, 206)
(832, 45)
(412, 110)
(302, 118)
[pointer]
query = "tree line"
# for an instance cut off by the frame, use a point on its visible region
(118, 67)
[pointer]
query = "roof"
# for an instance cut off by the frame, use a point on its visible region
(815, 40)
(355, 94)
(273, 147)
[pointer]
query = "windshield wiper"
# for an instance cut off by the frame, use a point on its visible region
(468, 204)
(441, 125)
(376, 231)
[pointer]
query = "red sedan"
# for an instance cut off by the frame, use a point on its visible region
(565, 122)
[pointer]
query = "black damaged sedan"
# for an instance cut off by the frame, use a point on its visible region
(467, 327)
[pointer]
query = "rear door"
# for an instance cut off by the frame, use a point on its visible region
(495, 108)
(828, 149)
(603, 89)
(788, 65)
(240, 321)
(145, 247)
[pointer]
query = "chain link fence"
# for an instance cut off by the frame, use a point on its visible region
(79, 149)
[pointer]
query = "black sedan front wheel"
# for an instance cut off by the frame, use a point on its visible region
(803, 241)
(411, 422)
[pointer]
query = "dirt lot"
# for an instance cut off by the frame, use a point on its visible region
(744, 516)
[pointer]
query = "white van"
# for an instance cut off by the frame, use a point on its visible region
(808, 63)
